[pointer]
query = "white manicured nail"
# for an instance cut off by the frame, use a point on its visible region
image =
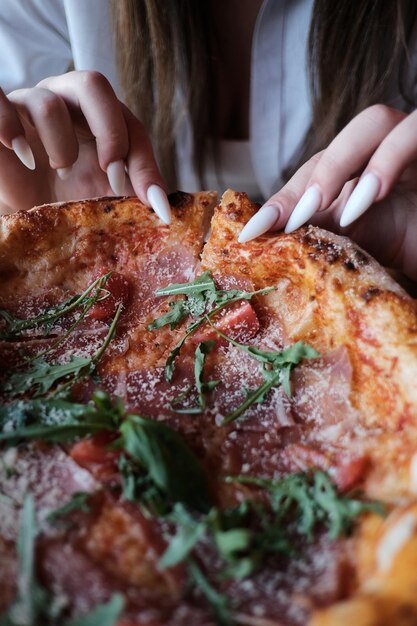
(158, 200)
(116, 175)
(64, 172)
(361, 198)
(260, 223)
(23, 151)
(308, 204)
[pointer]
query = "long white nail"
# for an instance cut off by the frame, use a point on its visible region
(361, 198)
(260, 223)
(158, 200)
(23, 151)
(64, 172)
(116, 175)
(305, 208)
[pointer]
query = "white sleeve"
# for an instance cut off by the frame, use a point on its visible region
(34, 42)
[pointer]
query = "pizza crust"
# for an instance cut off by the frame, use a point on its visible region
(63, 244)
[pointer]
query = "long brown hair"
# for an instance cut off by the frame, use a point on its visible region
(354, 48)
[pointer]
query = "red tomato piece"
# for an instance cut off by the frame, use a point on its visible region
(240, 322)
(94, 450)
(118, 286)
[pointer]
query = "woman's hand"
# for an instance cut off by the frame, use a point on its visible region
(363, 185)
(70, 138)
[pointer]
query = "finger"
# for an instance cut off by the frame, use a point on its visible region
(12, 134)
(51, 119)
(119, 135)
(273, 215)
(143, 170)
(351, 149)
(392, 157)
(91, 95)
(347, 153)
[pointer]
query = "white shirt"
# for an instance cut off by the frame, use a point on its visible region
(40, 38)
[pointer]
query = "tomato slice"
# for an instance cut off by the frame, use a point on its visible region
(118, 286)
(95, 450)
(239, 322)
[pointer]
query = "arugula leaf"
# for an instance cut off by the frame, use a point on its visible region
(31, 601)
(168, 461)
(42, 376)
(277, 367)
(310, 499)
(77, 502)
(103, 614)
(218, 602)
(46, 319)
(170, 362)
(46, 411)
(200, 296)
(160, 460)
(202, 350)
(189, 532)
(201, 284)
(33, 605)
(174, 316)
(57, 420)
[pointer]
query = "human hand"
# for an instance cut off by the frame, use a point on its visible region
(70, 138)
(363, 185)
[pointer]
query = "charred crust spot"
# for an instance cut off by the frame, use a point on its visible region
(321, 248)
(361, 258)
(107, 208)
(179, 200)
(234, 212)
(370, 293)
(224, 252)
(350, 266)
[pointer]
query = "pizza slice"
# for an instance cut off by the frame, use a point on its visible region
(199, 430)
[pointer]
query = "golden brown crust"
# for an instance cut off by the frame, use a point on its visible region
(56, 245)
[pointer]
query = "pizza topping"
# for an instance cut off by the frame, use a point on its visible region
(42, 376)
(276, 370)
(33, 604)
(117, 288)
(202, 301)
(200, 298)
(202, 387)
(240, 322)
(92, 296)
(164, 477)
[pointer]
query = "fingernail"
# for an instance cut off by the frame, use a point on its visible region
(361, 198)
(305, 208)
(64, 172)
(23, 152)
(116, 175)
(260, 223)
(158, 200)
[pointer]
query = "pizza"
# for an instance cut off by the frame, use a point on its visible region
(202, 432)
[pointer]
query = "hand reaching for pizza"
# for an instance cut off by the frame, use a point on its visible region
(80, 138)
(363, 185)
